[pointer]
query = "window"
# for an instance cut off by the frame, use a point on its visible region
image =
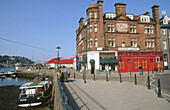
(95, 27)
(90, 27)
(164, 44)
(145, 63)
(95, 15)
(123, 44)
(121, 64)
(163, 31)
(112, 27)
(145, 18)
(133, 42)
(90, 15)
(149, 43)
(132, 29)
(109, 27)
(95, 42)
(91, 42)
(111, 42)
(149, 29)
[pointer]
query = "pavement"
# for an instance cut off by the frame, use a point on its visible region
(113, 95)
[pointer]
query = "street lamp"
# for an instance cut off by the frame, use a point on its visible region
(57, 47)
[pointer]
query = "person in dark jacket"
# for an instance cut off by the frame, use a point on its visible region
(140, 70)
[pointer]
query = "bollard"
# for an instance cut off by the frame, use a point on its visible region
(107, 77)
(159, 88)
(74, 75)
(84, 77)
(148, 71)
(135, 80)
(94, 77)
(152, 71)
(120, 78)
(130, 73)
(149, 82)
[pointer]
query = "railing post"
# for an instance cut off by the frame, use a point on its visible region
(159, 88)
(120, 78)
(149, 82)
(135, 80)
(107, 77)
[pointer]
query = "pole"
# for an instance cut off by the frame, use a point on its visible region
(130, 73)
(120, 78)
(149, 82)
(84, 74)
(94, 76)
(135, 80)
(74, 75)
(107, 77)
(159, 88)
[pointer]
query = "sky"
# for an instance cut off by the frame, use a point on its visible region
(33, 28)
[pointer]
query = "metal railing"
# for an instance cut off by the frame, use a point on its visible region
(65, 101)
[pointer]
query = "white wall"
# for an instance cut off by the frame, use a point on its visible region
(93, 55)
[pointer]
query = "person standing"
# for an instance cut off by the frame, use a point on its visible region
(140, 70)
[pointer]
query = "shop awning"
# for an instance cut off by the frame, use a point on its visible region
(108, 60)
(83, 62)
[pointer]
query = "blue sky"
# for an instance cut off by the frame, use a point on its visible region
(47, 23)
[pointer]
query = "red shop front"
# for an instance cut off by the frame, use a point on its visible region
(131, 60)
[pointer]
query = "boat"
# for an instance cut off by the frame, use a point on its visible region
(35, 93)
(2, 75)
(11, 74)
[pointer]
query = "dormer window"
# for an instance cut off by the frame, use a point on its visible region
(145, 18)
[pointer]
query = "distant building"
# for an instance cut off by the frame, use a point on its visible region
(165, 38)
(111, 41)
(62, 62)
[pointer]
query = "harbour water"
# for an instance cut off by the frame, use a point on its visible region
(9, 91)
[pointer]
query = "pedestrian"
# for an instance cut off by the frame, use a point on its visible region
(140, 70)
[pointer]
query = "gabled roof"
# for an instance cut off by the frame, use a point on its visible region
(65, 61)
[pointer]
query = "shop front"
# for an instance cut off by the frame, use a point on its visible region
(130, 61)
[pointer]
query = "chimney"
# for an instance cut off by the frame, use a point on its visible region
(155, 13)
(120, 8)
(81, 22)
(101, 31)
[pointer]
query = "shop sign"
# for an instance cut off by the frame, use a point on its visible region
(121, 27)
(107, 57)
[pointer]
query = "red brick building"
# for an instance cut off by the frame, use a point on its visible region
(113, 33)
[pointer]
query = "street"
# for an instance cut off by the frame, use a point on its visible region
(165, 82)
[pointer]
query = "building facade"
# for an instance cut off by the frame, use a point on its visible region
(103, 36)
(165, 39)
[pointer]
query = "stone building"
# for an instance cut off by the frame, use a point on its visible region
(103, 36)
(165, 38)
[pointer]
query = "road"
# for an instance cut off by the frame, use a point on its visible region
(165, 82)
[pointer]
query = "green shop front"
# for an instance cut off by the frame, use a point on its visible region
(98, 62)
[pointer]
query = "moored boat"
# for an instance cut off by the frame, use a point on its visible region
(35, 93)
(2, 75)
(11, 74)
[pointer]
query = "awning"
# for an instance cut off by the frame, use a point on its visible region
(108, 60)
(83, 62)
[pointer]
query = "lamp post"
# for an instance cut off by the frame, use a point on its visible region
(57, 47)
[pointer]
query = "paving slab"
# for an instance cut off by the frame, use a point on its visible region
(102, 95)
